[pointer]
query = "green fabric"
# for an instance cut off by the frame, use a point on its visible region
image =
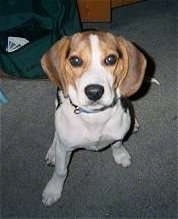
(51, 20)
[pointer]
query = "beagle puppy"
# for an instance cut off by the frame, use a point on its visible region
(95, 71)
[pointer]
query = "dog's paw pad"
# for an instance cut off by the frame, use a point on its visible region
(50, 158)
(136, 126)
(136, 129)
(50, 162)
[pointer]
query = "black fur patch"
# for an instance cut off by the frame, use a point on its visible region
(125, 103)
(58, 98)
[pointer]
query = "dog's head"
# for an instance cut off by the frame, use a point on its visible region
(93, 67)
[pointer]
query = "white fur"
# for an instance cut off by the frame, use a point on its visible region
(90, 131)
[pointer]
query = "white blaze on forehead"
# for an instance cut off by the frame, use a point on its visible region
(96, 73)
(95, 50)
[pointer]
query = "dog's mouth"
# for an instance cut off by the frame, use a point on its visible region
(94, 106)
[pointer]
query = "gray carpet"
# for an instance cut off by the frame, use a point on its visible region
(96, 187)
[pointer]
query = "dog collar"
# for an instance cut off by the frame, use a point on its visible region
(81, 109)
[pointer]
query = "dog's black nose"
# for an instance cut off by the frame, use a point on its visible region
(94, 91)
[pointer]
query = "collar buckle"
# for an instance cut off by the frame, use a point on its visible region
(77, 110)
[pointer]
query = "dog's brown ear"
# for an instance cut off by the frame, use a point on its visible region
(131, 67)
(53, 63)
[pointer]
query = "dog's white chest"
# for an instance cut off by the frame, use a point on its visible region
(92, 132)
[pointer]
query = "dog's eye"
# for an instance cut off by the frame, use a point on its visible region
(75, 61)
(110, 59)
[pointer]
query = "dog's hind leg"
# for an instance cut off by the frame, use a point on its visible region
(136, 125)
(50, 156)
(120, 154)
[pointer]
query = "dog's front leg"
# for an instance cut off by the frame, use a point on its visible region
(53, 189)
(120, 154)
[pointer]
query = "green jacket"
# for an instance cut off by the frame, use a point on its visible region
(38, 23)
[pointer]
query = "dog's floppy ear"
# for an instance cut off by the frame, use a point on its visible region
(131, 67)
(53, 63)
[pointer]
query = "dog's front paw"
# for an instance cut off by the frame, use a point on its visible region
(51, 193)
(122, 157)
